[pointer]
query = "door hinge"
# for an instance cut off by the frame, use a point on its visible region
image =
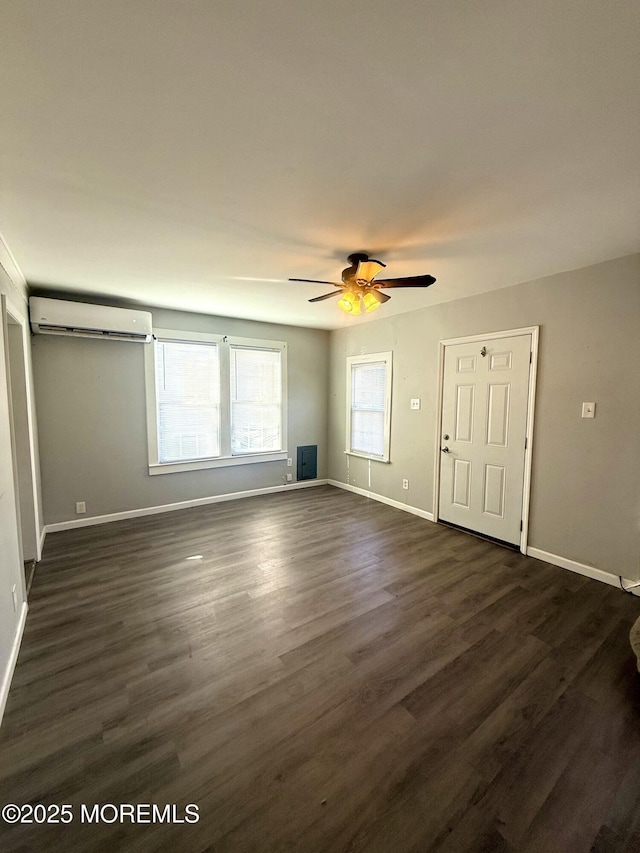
(520, 525)
(526, 441)
(531, 358)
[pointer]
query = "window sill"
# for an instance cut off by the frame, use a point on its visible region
(383, 459)
(218, 462)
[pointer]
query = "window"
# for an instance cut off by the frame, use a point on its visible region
(214, 401)
(256, 400)
(369, 405)
(188, 400)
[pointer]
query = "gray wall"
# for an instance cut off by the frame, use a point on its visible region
(586, 473)
(92, 419)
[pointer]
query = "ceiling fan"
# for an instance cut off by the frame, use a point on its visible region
(358, 285)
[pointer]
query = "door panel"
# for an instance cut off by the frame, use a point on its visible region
(498, 415)
(494, 490)
(466, 364)
(461, 482)
(484, 421)
(464, 413)
(500, 361)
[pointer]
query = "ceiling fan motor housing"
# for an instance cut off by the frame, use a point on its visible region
(355, 258)
(349, 273)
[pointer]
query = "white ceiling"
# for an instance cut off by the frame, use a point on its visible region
(196, 154)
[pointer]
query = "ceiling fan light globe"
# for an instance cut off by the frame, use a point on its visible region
(349, 303)
(370, 302)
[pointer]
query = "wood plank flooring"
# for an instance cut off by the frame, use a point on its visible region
(319, 672)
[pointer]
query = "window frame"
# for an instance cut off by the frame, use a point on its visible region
(226, 457)
(372, 358)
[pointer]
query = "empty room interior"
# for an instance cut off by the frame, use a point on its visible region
(317, 532)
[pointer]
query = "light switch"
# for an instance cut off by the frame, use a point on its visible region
(415, 403)
(588, 410)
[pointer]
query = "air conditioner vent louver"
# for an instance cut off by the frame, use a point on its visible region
(80, 319)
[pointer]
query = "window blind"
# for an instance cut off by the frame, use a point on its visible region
(188, 400)
(368, 394)
(256, 400)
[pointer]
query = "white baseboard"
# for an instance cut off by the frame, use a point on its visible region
(13, 659)
(382, 499)
(579, 568)
(546, 556)
(154, 510)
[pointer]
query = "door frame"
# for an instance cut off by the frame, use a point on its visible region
(12, 315)
(534, 331)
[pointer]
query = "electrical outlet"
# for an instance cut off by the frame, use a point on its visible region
(405, 484)
(415, 404)
(14, 594)
(289, 462)
(81, 507)
(289, 478)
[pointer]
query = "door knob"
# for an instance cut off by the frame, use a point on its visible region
(445, 449)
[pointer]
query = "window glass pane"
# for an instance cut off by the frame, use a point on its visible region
(368, 397)
(256, 400)
(367, 432)
(188, 400)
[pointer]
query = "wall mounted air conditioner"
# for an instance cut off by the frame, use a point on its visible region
(79, 319)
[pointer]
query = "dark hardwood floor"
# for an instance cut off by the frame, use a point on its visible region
(319, 672)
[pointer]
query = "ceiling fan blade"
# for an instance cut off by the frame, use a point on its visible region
(325, 296)
(410, 281)
(379, 295)
(317, 281)
(368, 269)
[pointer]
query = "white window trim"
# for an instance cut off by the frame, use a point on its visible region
(226, 458)
(387, 357)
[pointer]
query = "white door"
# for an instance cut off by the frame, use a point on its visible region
(483, 432)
